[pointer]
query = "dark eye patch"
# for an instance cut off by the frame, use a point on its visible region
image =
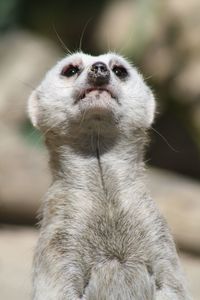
(120, 72)
(70, 70)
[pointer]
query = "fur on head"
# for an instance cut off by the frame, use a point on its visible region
(104, 92)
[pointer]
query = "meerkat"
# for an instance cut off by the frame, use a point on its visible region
(102, 236)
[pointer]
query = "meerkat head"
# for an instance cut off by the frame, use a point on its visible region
(92, 93)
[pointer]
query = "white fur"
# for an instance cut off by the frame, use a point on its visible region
(56, 94)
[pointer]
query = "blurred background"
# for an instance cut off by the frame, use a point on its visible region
(161, 38)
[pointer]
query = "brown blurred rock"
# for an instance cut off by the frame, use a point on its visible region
(24, 178)
(25, 58)
(179, 200)
(186, 86)
(128, 26)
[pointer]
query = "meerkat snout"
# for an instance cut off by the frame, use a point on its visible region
(98, 74)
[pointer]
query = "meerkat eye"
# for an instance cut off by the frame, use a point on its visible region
(69, 71)
(120, 72)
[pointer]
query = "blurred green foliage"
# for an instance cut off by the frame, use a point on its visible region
(31, 134)
(9, 12)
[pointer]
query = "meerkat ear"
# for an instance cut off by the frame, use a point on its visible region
(33, 108)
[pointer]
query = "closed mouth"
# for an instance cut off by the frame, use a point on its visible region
(85, 92)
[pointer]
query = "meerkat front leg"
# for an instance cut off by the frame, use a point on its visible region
(58, 271)
(168, 294)
(173, 286)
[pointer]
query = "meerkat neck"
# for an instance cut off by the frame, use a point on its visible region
(119, 166)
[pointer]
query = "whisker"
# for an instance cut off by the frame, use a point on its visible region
(83, 117)
(36, 133)
(83, 32)
(60, 40)
(108, 41)
(149, 77)
(49, 129)
(26, 84)
(165, 140)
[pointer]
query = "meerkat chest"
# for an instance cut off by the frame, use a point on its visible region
(106, 230)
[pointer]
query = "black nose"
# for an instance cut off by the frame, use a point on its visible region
(98, 74)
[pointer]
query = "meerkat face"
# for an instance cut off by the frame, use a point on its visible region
(92, 92)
